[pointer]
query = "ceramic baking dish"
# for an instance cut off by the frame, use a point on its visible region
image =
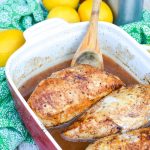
(54, 41)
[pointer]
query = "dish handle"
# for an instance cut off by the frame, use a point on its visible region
(45, 27)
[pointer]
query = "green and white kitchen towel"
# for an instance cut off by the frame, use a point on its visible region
(20, 14)
(12, 130)
(140, 31)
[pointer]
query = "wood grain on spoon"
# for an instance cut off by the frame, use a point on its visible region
(89, 51)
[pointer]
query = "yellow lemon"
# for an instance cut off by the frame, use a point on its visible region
(85, 9)
(49, 4)
(65, 12)
(10, 41)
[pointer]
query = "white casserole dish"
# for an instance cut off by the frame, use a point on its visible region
(54, 41)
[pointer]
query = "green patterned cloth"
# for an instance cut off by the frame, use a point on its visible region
(140, 31)
(20, 14)
(12, 130)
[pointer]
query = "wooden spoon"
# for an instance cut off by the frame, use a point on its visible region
(89, 51)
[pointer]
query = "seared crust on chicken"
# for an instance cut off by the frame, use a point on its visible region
(69, 92)
(133, 140)
(125, 109)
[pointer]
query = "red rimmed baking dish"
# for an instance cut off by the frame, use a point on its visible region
(53, 42)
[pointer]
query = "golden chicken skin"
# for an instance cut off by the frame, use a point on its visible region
(123, 110)
(133, 140)
(69, 92)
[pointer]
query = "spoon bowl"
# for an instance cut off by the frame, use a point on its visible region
(89, 57)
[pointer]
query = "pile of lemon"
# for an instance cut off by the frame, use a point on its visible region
(69, 10)
(76, 10)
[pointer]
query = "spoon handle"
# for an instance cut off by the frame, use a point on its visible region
(92, 34)
(95, 17)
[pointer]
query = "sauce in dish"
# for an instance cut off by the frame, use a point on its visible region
(29, 86)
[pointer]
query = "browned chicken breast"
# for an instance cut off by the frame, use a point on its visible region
(123, 110)
(133, 140)
(69, 92)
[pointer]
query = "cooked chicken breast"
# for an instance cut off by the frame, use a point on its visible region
(133, 140)
(69, 92)
(125, 109)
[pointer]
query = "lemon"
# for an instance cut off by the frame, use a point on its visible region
(49, 4)
(65, 12)
(85, 9)
(10, 41)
